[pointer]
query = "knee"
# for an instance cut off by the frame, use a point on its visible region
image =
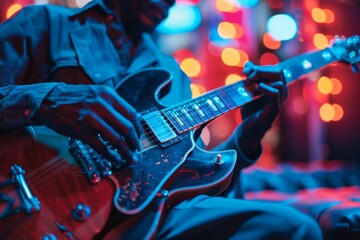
(291, 224)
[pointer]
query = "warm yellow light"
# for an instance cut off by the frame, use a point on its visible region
(337, 86)
(227, 6)
(339, 112)
(231, 57)
(197, 89)
(191, 67)
(232, 78)
(325, 85)
(13, 9)
(318, 15)
(270, 42)
(230, 30)
(320, 41)
(327, 112)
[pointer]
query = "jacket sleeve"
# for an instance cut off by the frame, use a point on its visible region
(21, 37)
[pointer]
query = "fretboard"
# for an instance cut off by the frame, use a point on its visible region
(197, 111)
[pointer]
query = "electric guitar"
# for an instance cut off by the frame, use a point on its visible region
(55, 188)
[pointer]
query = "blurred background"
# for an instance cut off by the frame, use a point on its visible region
(212, 39)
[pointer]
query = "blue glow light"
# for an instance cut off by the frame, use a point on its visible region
(182, 18)
(282, 27)
(248, 3)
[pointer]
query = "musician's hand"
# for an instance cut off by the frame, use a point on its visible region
(85, 111)
(272, 85)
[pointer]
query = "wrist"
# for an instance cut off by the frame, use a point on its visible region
(249, 146)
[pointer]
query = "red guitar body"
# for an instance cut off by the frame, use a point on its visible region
(55, 179)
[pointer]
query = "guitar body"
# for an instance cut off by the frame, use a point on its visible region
(59, 186)
(131, 203)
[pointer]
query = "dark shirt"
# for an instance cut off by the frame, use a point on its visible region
(46, 44)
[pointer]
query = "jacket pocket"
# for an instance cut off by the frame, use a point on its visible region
(96, 53)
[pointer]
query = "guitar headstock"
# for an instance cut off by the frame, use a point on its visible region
(347, 50)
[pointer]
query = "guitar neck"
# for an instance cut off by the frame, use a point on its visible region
(197, 111)
(296, 67)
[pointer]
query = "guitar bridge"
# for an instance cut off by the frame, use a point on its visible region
(93, 164)
(29, 203)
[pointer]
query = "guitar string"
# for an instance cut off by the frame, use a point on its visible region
(45, 165)
(48, 173)
(41, 173)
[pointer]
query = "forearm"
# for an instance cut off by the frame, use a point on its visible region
(18, 104)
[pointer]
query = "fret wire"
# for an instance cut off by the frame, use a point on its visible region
(227, 99)
(205, 106)
(233, 95)
(196, 108)
(208, 105)
(222, 102)
(184, 118)
(203, 110)
(212, 99)
(174, 121)
(193, 113)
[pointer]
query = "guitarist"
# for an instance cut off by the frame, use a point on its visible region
(59, 67)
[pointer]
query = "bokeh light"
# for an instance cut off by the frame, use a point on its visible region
(231, 57)
(339, 112)
(182, 18)
(191, 67)
(231, 6)
(320, 41)
(268, 59)
(230, 30)
(282, 27)
(327, 112)
(13, 9)
(233, 78)
(325, 85)
(270, 42)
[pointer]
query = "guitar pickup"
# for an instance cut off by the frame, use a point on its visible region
(161, 129)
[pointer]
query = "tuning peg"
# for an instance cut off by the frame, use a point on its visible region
(355, 68)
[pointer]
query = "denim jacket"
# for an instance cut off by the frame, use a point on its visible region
(43, 45)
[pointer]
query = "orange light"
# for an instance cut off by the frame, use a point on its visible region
(244, 57)
(337, 86)
(191, 67)
(230, 57)
(318, 15)
(325, 85)
(230, 30)
(320, 41)
(13, 9)
(197, 89)
(227, 6)
(270, 42)
(330, 17)
(268, 59)
(327, 112)
(233, 78)
(339, 112)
